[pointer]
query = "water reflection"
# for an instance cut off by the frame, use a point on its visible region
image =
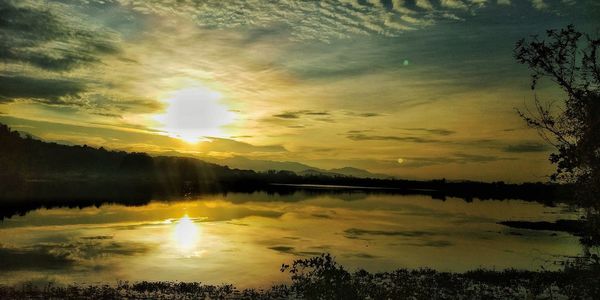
(186, 236)
(243, 238)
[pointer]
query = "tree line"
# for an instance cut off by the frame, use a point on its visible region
(34, 169)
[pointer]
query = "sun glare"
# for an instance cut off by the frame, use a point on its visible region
(186, 235)
(193, 114)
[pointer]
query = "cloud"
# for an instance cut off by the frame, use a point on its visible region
(316, 113)
(368, 115)
(44, 45)
(297, 114)
(292, 250)
(361, 255)
(284, 117)
(454, 4)
(287, 115)
(526, 147)
(477, 158)
(321, 216)
(111, 105)
(456, 158)
(97, 237)
(420, 135)
(434, 131)
(539, 4)
(424, 4)
(71, 93)
(47, 36)
(413, 139)
(435, 244)
(322, 20)
(285, 249)
(363, 114)
(51, 90)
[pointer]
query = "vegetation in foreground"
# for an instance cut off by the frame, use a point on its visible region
(322, 278)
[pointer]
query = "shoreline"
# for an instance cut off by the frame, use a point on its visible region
(322, 277)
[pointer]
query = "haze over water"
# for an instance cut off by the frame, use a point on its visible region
(244, 238)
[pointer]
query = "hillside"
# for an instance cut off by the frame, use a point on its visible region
(26, 160)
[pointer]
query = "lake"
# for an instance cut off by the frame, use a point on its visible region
(243, 238)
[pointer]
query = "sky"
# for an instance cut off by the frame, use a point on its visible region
(415, 89)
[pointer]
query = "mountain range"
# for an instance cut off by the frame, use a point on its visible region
(244, 163)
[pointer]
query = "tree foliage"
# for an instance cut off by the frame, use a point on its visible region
(570, 59)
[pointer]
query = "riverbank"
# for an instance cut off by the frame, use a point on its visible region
(322, 278)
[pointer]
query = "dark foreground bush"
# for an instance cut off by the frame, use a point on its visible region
(322, 278)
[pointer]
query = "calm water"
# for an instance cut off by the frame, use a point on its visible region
(244, 238)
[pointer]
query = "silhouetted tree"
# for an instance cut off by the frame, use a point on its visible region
(570, 59)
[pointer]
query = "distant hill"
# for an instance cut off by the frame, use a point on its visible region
(298, 168)
(345, 172)
(360, 173)
(259, 165)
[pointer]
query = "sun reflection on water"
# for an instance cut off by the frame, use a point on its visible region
(186, 235)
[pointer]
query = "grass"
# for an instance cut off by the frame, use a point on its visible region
(322, 278)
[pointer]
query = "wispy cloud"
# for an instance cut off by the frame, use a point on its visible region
(363, 114)
(454, 4)
(44, 89)
(539, 4)
(412, 139)
(527, 147)
(435, 131)
(294, 251)
(322, 20)
(299, 113)
(424, 4)
(455, 158)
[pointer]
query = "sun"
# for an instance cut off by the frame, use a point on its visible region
(192, 114)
